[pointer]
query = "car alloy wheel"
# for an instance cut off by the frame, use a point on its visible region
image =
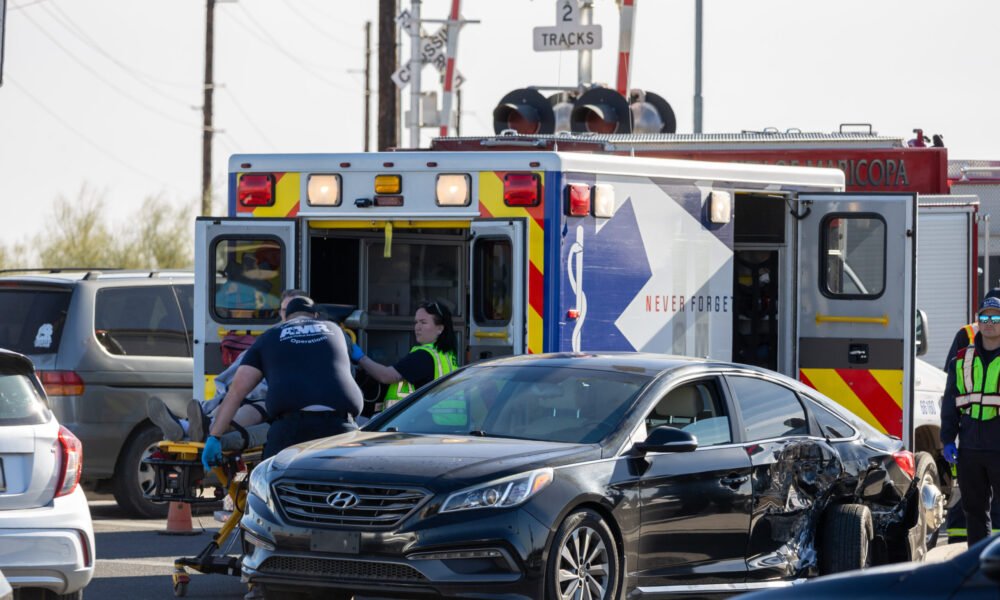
(584, 560)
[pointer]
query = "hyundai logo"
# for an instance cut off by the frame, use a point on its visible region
(342, 499)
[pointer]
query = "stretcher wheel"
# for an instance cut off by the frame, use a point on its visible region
(181, 579)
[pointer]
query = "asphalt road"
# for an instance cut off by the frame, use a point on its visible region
(134, 561)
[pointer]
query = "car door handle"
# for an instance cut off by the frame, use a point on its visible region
(735, 481)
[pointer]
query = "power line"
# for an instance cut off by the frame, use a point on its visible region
(14, 7)
(264, 35)
(98, 75)
(246, 115)
(326, 33)
(67, 22)
(86, 139)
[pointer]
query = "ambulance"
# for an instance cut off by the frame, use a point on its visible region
(548, 251)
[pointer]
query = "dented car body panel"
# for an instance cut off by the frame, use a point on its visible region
(741, 508)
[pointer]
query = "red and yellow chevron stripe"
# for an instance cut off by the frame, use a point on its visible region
(491, 206)
(874, 395)
(286, 198)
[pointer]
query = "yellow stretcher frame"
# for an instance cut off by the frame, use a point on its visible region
(234, 481)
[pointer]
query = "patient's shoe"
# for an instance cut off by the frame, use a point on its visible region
(198, 421)
(161, 416)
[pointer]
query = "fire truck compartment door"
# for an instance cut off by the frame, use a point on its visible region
(856, 292)
(497, 311)
(241, 268)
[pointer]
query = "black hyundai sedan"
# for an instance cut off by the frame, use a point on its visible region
(584, 476)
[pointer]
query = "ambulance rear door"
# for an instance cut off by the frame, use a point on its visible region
(856, 313)
(241, 268)
(497, 310)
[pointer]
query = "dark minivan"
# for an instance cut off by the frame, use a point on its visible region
(104, 342)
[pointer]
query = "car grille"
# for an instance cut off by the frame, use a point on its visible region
(343, 569)
(378, 506)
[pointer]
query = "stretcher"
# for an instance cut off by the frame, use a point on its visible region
(180, 477)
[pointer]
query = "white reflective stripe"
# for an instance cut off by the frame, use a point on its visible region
(967, 365)
(989, 400)
(967, 399)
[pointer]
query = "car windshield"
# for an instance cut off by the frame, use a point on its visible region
(20, 402)
(535, 402)
(31, 321)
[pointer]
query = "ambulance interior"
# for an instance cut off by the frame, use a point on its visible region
(387, 278)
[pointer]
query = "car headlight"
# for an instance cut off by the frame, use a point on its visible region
(258, 480)
(503, 493)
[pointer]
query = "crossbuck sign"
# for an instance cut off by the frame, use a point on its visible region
(568, 34)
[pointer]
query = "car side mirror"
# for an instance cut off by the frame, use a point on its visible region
(921, 333)
(989, 560)
(668, 439)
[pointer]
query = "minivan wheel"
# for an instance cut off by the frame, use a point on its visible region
(133, 478)
(583, 559)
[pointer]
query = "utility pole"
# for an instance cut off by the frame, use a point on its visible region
(388, 111)
(206, 108)
(415, 67)
(697, 66)
(368, 81)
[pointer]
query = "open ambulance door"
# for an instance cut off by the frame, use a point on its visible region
(856, 293)
(241, 268)
(497, 303)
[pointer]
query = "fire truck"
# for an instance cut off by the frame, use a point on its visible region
(547, 250)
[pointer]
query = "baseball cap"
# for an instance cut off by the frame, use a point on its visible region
(988, 303)
(301, 304)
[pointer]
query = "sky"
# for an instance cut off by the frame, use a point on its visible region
(106, 94)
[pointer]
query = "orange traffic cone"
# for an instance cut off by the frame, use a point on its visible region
(179, 520)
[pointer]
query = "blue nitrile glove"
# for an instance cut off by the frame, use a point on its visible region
(356, 353)
(212, 454)
(951, 453)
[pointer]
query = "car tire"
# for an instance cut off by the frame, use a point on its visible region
(583, 551)
(925, 536)
(132, 478)
(847, 538)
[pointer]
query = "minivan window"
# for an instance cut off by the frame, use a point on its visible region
(20, 402)
(31, 321)
(768, 409)
(140, 321)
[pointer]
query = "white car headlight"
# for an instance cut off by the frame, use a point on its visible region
(503, 493)
(258, 480)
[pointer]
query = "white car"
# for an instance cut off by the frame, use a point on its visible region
(46, 535)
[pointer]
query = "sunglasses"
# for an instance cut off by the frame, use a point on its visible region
(433, 305)
(995, 319)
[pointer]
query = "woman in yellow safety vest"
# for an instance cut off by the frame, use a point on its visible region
(432, 357)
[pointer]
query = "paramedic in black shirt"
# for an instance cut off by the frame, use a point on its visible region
(311, 393)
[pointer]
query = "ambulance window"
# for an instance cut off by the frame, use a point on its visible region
(140, 321)
(853, 253)
(248, 279)
(492, 280)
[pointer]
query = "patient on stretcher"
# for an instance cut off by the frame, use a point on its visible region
(249, 424)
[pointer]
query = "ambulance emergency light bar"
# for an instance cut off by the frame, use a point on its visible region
(451, 189)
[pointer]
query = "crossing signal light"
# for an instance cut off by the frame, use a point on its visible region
(526, 111)
(601, 110)
(651, 113)
(597, 110)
